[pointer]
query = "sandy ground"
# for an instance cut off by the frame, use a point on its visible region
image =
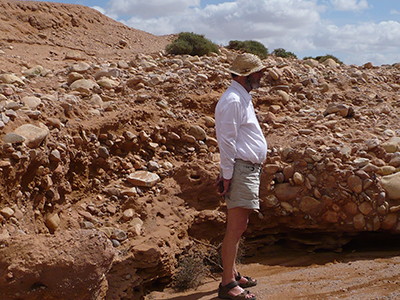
(355, 273)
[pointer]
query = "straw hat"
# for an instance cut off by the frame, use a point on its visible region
(246, 64)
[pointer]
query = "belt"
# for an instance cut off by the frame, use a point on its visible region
(248, 162)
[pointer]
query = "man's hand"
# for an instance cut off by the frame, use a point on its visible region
(222, 185)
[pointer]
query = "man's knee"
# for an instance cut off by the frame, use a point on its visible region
(238, 230)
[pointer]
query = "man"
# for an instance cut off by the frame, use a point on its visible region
(243, 149)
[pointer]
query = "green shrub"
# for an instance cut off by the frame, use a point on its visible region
(280, 52)
(192, 44)
(249, 46)
(323, 58)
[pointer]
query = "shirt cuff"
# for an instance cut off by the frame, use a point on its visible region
(227, 173)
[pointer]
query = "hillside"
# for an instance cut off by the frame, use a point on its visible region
(34, 32)
(108, 158)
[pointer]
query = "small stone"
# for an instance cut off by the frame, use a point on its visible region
(55, 155)
(386, 170)
(103, 152)
(7, 212)
(351, 208)
(107, 83)
(209, 121)
(391, 184)
(128, 214)
(274, 74)
(83, 85)
(394, 209)
(365, 208)
(136, 226)
(359, 222)
(383, 208)
(355, 183)
(198, 132)
(284, 96)
(189, 138)
(310, 205)
(271, 168)
(13, 138)
(34, 135)
(4, 234)
(31, 101)
(286, 192)
(298, 178)
(173, 136)
(87, 225)
(11, 79)
(287, 207)
(119, 235)
(389, 221)
(5, 163)
(271, 201)
(111, 209)
(152, 166)
(129, 192)
(18, 214)
(80, 67)
(330, 216)
(53, 222)
(115, 243)
(54, 122)
(143, 178)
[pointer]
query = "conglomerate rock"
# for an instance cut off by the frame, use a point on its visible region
(68, 265)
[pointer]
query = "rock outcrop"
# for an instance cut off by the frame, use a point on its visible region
(68, 265)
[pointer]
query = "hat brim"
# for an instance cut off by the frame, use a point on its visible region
(255, 70)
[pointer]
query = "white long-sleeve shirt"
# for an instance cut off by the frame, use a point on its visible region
(239, 134)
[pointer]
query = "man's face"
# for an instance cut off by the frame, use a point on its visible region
(255, 78)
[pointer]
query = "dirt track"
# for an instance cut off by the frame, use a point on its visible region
(356, 273)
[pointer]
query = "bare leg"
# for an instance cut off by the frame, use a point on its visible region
(236, 225)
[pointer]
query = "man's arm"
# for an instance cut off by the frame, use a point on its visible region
(227, 120)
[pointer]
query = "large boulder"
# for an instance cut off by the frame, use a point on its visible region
(70, 265)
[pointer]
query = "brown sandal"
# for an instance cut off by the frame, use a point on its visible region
(250, 281)
(223, 292)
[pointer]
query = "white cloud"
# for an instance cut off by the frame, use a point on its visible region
(350, 5)
(376, 42)
(100, 9)
(395, 12)
(157, 26)
(269, 21)
(151, 8)
(295, 25)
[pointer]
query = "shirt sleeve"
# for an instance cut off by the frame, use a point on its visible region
(228, 122)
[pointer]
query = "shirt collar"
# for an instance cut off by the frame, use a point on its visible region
(245, 94)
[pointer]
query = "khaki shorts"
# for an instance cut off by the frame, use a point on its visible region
(245, 185)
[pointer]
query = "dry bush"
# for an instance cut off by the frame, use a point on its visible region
(201, 261)
(191, 271)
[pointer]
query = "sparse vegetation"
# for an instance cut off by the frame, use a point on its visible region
(254, 47)
(199, 262)
(192, 44)
(191, 270)
(280, 52)
(327, 56)
(324, 58)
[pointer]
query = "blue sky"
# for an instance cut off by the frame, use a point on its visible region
(355, 31)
